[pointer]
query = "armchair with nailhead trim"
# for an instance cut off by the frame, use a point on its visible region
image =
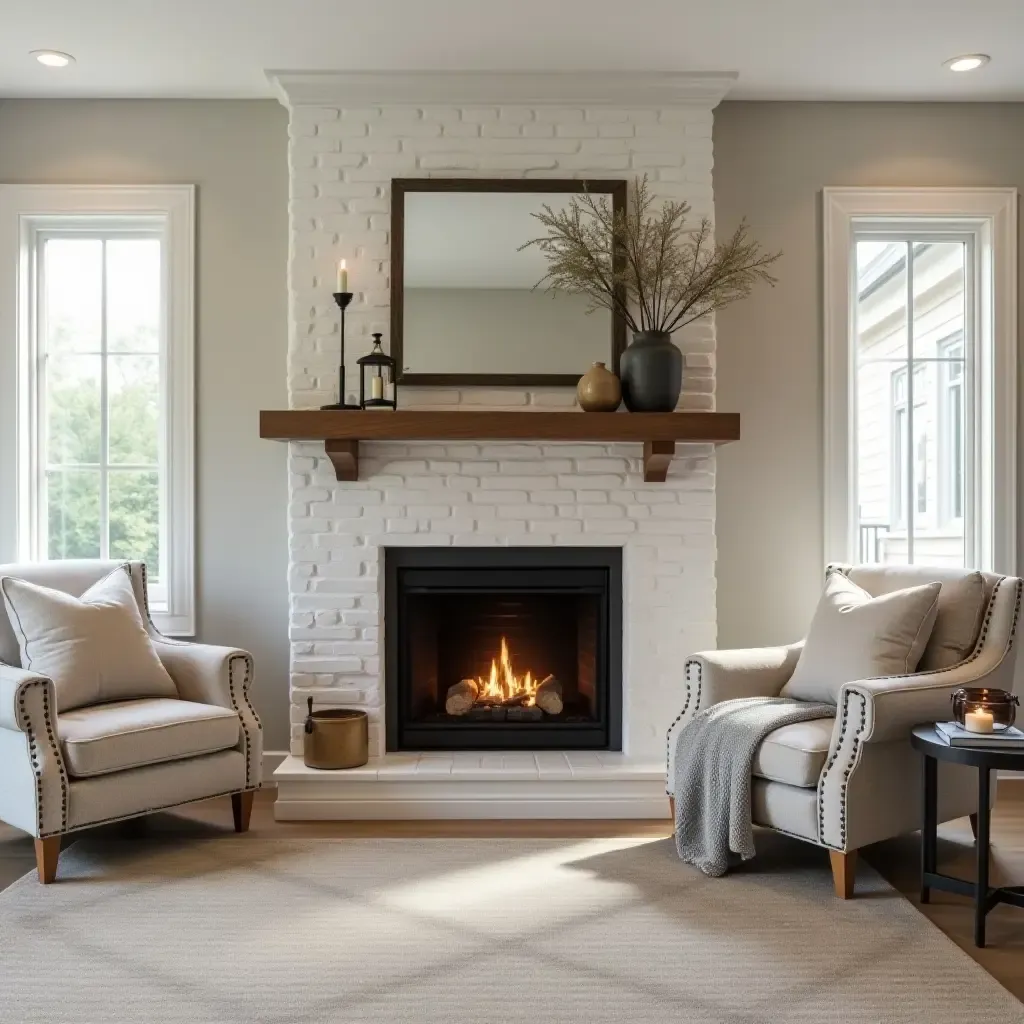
(844, 782)
(65, 771)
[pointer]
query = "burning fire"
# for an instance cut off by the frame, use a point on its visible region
(504, 685)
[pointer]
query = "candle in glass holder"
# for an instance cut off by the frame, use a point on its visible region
(377, 389)
(979, 720)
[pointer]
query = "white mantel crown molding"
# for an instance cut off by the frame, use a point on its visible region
(592, 88)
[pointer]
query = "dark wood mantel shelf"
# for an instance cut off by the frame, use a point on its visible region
(341, 432)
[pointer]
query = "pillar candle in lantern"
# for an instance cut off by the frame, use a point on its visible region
(979, 720)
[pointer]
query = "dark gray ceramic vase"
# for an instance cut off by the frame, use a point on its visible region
(651, 371)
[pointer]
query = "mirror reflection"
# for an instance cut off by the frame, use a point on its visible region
(470, 302)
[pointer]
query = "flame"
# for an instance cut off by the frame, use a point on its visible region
(503, 683)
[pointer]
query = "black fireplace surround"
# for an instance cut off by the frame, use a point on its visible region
(451, 612)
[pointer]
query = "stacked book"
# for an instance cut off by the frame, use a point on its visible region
(957, 736)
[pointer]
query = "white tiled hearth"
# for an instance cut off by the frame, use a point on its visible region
(580, 784)
(345, 147)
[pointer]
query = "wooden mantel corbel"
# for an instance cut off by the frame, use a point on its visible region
(344, 456)
(658, 456)
(342, 431)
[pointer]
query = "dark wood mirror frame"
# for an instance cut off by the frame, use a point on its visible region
(616, 188)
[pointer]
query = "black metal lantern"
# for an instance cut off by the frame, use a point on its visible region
(377, 379)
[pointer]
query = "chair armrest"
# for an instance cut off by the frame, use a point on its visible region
(714, 676)
(34, 786)
(221, 676)
(752, 672)
(893, 705)
(205, 673)
(25, 697)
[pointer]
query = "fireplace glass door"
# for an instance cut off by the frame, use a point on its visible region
(515, 649)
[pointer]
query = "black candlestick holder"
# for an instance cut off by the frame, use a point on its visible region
(342, 299)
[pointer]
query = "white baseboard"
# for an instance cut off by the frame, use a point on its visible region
(388, 790)
(493, 808)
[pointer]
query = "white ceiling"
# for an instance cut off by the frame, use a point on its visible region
(782, 49)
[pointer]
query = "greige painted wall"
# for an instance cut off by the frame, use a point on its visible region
(771, 162)
(235, 152)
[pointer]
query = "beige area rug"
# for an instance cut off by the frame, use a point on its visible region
(470, 931)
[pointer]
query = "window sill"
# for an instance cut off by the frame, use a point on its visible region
(182, 626)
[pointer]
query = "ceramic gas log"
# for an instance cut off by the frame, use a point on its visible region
(461, 697)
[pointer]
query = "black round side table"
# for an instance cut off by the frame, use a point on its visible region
(925, 739)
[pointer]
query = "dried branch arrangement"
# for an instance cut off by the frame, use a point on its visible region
(668, 274)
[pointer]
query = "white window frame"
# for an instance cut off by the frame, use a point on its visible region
(989, 215)
(26, 213)
(902, 448)
(947, 491)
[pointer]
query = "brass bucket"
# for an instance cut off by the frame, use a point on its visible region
(335, 738)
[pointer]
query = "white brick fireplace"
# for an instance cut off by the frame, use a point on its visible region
(349, 135)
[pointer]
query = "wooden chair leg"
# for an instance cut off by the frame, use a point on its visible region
(974, 824)
(844, 866)
(241, 809)
(672, 808)
(47, 852)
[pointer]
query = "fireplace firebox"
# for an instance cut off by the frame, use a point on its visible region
(503, 649)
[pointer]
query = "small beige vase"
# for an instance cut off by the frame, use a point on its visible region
(599, 390)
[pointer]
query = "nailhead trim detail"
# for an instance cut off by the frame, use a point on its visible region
(847, 771)
(51, 734)
(36, 756)
(145, 594)
(33, 754)
(690, 664)
(238, 710)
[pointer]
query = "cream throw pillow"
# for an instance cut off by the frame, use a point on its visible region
(95, 647)
(961, 609)
(856, 636)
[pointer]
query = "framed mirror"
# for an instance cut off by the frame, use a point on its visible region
(465, 306)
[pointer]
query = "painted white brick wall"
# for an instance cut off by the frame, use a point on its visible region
(498, 494)
(342, 161)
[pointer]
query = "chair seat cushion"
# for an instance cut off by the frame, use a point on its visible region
(795, 754)
(129, 733)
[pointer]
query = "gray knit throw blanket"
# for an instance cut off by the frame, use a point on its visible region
(714, 756)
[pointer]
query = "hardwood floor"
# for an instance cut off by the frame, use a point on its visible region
(896, 859)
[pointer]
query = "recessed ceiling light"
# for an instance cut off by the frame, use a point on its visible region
(967, 62)
(53, 58)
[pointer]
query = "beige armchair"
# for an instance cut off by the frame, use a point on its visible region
(61, 772)
(845, 782)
